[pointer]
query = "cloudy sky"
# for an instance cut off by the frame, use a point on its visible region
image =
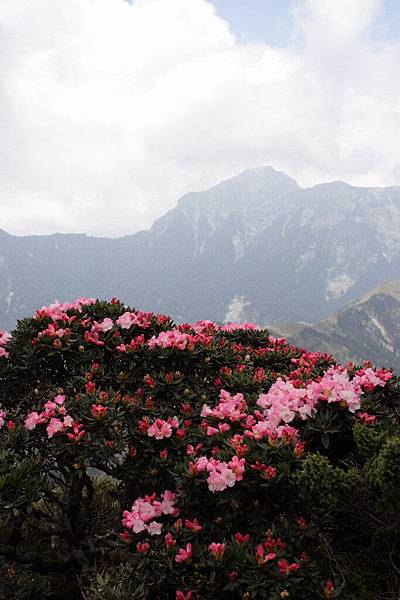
(110, 110)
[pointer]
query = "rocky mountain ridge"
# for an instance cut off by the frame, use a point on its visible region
(367, 329)
(255, 247)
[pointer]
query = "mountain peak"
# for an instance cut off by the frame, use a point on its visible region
(261, 177)
(250, 185)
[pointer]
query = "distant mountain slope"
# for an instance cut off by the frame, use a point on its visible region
(255, 247)
(366, 329)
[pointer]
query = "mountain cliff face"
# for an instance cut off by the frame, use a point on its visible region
(255, 247)
(367, 329)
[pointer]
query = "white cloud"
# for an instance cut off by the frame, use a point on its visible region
(109, 111)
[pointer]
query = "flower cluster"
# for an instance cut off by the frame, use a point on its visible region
(221, 475)
(162, 429)
(54, 415)
(59, 311)
(4, 338)
(284, 402)
(369, 379)
(145, 511)
(175, 338)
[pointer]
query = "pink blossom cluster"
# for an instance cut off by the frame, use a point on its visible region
(105, 325)
(305, 366)
(58, 311)
(54, 414)
(135, 344)
(145, 510)
(182, 596)
(284, 401)
(93, 337)
(170, 339)
(261, 429)
(217, 550)
(336, 386)
(4, 338)
(369, 379)
(204, 327)
(366, 418)
(176, 338)
(185, 554)
(231, 408)
(161, 429)
(257, 425)
(3, 415)
(54, 330)
(139, 319)
(221, 474)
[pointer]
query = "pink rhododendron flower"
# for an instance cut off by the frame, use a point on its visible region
(220, 477)
(183, 596)
(167, 505)
(184, 554)
(143, 547)
(50, 409)
(68, 421)
(217, 550)
(145, 510)
(237, 466)
(58, 311)
(77, 432)
(106, 325)
(242, 539)
(160, 429)
(154, 528)
(170, 541)
(369, 379)
(132, 521)
(284, 401)
(211, 431)
(329, 589)
(335, 386)
(263, 558)
(230, 408)
(201, 464)
(98, 410)
(5, 337)
(205, 326)
(93, 337)
(285, 568)
(3, 415)
(170, 339)
(125, 321)
(366, 418)
(55, 426)
(193, 525)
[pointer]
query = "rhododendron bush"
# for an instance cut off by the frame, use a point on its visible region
(141, 459)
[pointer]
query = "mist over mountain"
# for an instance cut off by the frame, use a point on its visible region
(255, 247)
